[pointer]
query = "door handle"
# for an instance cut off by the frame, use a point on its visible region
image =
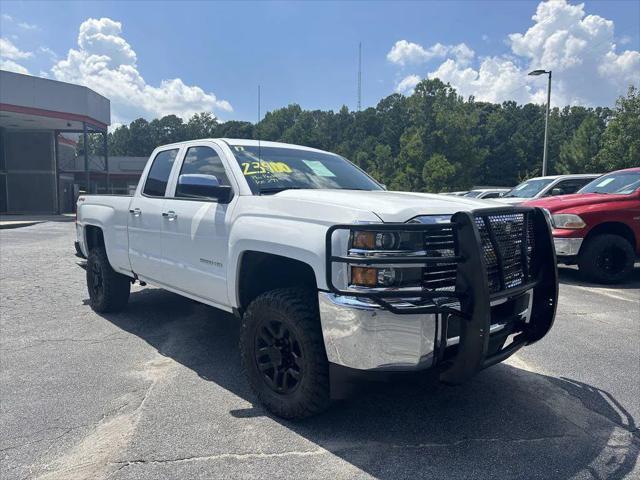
(136, 212)
(171, 215)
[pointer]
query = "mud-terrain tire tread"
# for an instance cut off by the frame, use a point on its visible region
(298, 307)
(116, 287)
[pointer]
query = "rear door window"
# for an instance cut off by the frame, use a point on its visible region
(158, 176)
(492, 195)
(572, 186)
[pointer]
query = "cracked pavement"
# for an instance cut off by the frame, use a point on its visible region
(157, 392)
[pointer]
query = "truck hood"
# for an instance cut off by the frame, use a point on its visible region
(575, 200)
(388, 206)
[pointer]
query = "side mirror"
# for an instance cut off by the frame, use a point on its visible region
(194, 185)
(557, 191)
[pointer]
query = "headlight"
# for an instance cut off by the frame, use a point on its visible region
(365, 243)
(385, 277)
(568, 220)
(381, 241)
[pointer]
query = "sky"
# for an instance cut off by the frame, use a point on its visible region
(156, 58)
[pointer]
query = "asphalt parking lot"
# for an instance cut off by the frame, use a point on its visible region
(157, 392)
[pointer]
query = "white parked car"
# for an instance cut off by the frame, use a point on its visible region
(459, 193)
(487, 193)
(328, 272)
(540, 187)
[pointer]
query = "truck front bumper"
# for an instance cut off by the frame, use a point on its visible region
(567, 247)
(365, 336)
(486, 318)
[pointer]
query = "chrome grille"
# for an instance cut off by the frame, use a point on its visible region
(440, 276)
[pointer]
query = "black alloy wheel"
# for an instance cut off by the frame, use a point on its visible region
(283, 355)
(607, 258)
(611, 259)
(279, 357)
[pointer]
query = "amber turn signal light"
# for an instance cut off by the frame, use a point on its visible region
(364, 276)
(364, 240)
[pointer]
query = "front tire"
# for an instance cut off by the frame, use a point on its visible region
(607, 258)
(283, 353)
(108, 290)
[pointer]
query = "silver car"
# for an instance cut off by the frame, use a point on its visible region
(539, 187)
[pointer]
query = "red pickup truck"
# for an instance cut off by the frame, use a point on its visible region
(599, 227)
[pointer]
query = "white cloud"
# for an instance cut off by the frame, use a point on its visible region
(24, 25)
(50, 53)
(10, 51)
(28, 26)
(625, 39)
(105, 62)
(12, 66)
(407, 84)
(495, 80)
(406, 53)
(580, 50)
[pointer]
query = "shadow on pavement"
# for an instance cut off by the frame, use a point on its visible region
(571, 276)
(506, 423)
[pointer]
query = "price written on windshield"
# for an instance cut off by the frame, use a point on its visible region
(256, 168)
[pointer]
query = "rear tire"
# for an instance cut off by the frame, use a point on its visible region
(607, 258)
(283, 355)
(108, 290)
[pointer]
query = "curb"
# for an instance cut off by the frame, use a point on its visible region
(7, 226)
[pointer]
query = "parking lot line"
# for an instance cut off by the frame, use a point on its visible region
(611, 293)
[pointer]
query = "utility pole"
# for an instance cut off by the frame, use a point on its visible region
(359, 76)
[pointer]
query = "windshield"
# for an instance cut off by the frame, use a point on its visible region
(274, 169)
(619, 183)
(472, 193)
(529, 189)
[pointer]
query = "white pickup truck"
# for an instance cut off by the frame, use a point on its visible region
(329, 273)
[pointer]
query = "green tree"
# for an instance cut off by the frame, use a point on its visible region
(141, 141)
(438, 173)
(168, 129)
(201, 125)
(432, 140)
(621, 138)
(274, 124)
(578, 154)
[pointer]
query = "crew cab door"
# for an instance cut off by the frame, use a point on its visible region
(196, 231)
(146, 221)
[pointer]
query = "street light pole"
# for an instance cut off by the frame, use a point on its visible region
(546, 120)
(546, 128)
